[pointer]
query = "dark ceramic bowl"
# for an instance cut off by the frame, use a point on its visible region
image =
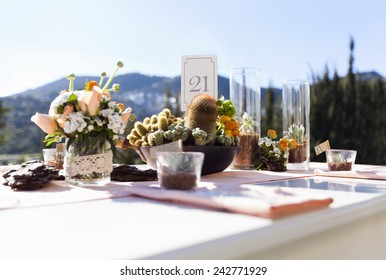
(217, 158)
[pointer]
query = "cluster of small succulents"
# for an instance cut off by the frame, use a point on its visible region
(151, 132)
(205, 123)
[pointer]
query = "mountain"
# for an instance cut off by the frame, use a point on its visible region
(370, 75)
(144, 93)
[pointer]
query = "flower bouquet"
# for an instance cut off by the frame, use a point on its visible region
(90, 122)
(273, 155)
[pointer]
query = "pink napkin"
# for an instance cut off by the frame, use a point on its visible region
(370, 173)
(261, 201)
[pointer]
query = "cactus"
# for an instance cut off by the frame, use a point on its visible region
(150, 132)
(202, 113)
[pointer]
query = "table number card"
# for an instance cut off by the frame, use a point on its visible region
(198, 75)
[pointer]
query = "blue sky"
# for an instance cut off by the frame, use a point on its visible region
(44, 40)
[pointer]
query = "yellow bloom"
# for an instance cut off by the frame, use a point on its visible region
(223, 119)
(228, 133)
(292, 144)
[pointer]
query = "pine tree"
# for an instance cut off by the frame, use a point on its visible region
(3, 112)
(268, 118)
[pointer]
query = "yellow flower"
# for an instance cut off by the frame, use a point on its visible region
(223, 119)
(228, 133)
(292, 144)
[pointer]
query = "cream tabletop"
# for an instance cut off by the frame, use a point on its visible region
(65, 222)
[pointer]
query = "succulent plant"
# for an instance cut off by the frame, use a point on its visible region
(202, 113)
(297, 132)
(151, 132)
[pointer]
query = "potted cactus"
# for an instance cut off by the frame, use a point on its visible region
(208, 126)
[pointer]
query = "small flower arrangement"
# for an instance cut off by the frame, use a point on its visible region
(227, 127)
(87, 113)
(273, 155)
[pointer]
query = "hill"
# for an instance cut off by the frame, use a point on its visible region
(144, 93)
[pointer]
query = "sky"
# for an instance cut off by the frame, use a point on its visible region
(45, 40)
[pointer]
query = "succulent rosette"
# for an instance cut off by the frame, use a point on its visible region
(85, 113)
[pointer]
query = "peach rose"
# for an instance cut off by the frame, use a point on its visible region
(126, 115)
(66, 112)
(88, 101)
(45, 122)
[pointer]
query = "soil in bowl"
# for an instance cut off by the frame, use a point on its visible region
(180, 181)
(339, 166)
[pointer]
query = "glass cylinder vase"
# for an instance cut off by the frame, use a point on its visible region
(296, 122)
(245, 95)
(88, 161)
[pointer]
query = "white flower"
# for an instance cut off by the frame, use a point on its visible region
(60, 100)
(276, 150)
(98, 121)
(116, 124)
(75, 122)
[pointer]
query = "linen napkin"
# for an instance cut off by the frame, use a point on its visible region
(261, 201)
(370, 173)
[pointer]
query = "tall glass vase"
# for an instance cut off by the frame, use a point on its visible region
(245, 95)
(88, 161)
(296, 122)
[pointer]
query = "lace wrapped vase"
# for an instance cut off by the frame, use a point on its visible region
(88, 161)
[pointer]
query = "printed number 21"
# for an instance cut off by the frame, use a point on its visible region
(195, 82)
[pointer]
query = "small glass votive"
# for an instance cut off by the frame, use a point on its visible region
(55, 157)
(340, 160)
(179, 170)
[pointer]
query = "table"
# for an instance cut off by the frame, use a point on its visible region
(59, 222)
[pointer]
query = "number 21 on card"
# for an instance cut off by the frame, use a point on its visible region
(198, 75)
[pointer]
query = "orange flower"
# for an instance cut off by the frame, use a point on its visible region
(236, 132)
(271, 133)
(283, 145)
(230, 125)
(121, 106)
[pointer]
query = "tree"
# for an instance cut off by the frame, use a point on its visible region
(3, 124)
(271, 117)
(349, 112)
